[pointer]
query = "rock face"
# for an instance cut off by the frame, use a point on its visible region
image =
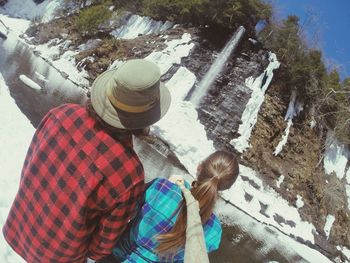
(221, 109)
(299, 162)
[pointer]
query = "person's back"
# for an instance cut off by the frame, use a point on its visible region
(158, 216)
(158, 234)
(72, 175)
(81, 180)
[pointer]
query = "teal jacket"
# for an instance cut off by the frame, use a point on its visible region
(157, 216)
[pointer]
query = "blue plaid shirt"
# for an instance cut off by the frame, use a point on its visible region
(158, 215)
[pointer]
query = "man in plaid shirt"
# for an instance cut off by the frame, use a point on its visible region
(81, 179)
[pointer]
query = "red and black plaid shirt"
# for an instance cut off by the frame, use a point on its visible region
(78, 190)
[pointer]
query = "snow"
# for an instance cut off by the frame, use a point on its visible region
(270, 239)
(181, 82)
(312, 123)
(277, 207)
(345, 251)
(294, 108)
(336, 158)
(30, 83)
(18, 26)
(250, 114)
(49, 51)
(66, 62)
(140, 25)
(40, 76)
(284, 139)
(280, 180)
(329, 223)
(28, 10)
(172, 54)
(180, 127)
(15, 136)
(254, 41)
(299, 203)
(347, 186)
(3, 28)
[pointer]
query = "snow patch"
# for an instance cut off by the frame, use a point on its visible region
(30, 83)
(284, 139)
(11, 160)
(278, 212)
(176, 49)
(294, 108)
(313, 124)
(345, 251)
(40, 76)
(29, 10)
(66, 62)
(18, 26)
(270, 239)
(299, 202)
(328, 226)
(140, 25)
(347, 186)
(180, 127)
(259, 86)
(336, 158)
(280, 180)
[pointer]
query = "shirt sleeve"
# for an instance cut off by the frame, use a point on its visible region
(112, 223)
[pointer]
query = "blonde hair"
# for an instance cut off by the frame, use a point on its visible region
(217, 172)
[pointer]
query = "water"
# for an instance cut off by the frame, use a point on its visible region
(17, 59)
(216, 67)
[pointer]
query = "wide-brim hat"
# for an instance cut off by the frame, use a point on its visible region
(131, 96)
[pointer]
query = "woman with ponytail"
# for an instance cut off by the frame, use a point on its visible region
(158, 233)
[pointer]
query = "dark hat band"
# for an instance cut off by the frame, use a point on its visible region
(131, 108)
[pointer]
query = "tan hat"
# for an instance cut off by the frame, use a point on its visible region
(132, 96)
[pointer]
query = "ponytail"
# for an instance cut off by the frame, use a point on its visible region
(218, 172)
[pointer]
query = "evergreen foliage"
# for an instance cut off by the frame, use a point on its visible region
(303, 69)
(90, 18)
(225, 13)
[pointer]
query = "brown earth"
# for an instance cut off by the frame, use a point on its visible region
(107, 51)
(301, 164)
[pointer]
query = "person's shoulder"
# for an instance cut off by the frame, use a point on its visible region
(160, 183)
(70, 107)
(69, 111)
(168, 183)
(162, 187)
(162, 197)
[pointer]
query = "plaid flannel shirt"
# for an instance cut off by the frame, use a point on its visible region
(158, 215)
(78, 190)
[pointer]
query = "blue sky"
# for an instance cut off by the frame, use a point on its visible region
(330, 27)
